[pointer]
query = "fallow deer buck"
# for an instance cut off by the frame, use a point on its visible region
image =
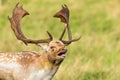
(34, 65)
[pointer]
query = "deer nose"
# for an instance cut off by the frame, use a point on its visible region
(64, 50)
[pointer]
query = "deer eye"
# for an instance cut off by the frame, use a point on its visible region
(57, 42)
(51, 47)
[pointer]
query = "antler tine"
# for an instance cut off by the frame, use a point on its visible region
(70, 41)
(18, 14)
(63, 14)
(62, 34)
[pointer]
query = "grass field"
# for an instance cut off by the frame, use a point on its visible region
(95, 57)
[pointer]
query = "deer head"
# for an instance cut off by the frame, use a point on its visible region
(55, 49)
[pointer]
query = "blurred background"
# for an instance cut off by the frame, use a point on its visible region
(95, 57)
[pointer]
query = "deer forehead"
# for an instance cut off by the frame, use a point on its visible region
(57, 43)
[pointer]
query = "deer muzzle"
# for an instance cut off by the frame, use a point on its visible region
(62, 53)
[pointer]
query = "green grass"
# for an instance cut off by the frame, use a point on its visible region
(95, 57)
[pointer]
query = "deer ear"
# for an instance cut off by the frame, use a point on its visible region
(44, 47)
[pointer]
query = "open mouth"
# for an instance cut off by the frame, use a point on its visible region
(62, 54)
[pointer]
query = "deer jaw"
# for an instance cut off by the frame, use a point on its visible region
(55, 51)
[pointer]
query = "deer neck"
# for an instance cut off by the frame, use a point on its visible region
(50, 65)
(47, 62)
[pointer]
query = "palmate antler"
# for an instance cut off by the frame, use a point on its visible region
(63, 14)
(18, 14)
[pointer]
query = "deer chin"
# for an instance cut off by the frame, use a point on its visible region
(62, 54)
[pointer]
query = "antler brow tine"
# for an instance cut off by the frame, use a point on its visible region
(17, 15)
